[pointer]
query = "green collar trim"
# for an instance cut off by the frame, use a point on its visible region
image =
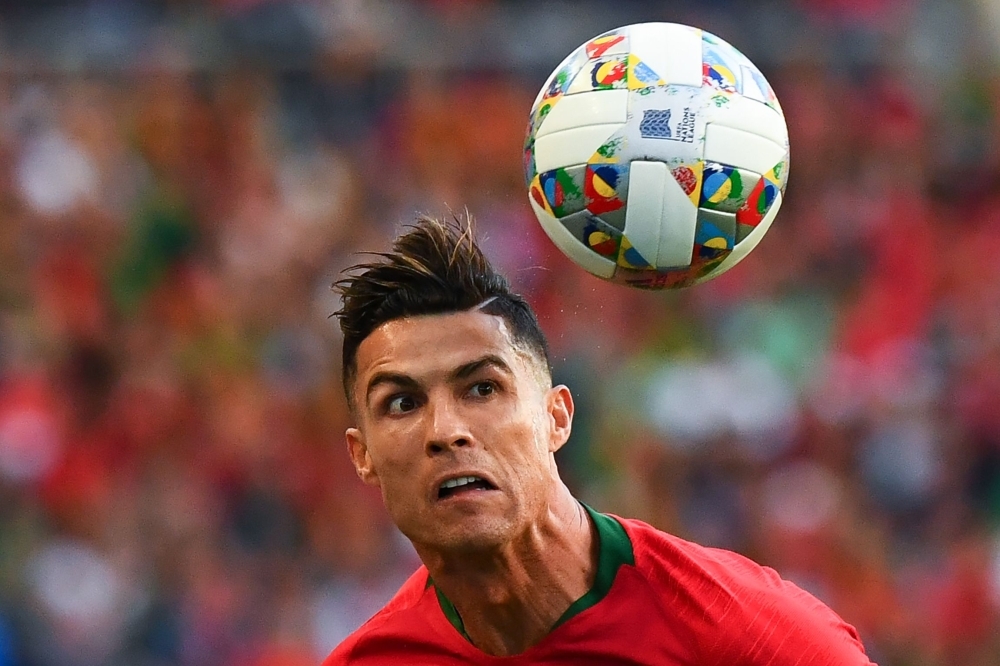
(450, 611)
(614, 550)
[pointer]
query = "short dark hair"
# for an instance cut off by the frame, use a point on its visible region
(434, 267)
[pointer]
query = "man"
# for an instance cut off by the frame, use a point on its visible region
(457, 423)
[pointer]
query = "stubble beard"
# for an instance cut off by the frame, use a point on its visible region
(472, 534)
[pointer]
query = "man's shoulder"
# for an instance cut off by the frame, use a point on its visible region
(407, 598)
(740, 603)
(659, 554)
(705, 572)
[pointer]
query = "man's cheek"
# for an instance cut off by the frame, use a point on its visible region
(406, 474)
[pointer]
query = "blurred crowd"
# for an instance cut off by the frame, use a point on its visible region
(181, 182)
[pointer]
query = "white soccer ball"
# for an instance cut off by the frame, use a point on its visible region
(656, 156)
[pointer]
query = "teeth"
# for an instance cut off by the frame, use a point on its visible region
(460, 481)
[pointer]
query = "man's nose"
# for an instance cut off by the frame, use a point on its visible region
(446, 429)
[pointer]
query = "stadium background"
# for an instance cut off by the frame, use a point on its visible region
(181, 181)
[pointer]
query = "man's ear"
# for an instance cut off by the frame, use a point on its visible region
(360, 457)
(560, 407)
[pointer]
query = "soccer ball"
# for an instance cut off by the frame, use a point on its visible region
(656, 156)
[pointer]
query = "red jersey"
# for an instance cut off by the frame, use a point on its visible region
(657, 600)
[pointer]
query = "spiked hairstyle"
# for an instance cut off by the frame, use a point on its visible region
(435, 267)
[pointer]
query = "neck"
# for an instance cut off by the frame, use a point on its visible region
(510, 598)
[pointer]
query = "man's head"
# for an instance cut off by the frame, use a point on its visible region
(447, 374)
(434, 268)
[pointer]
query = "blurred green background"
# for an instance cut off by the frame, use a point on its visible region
(181, 181)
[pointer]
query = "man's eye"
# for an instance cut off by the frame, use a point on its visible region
(483, 389)
(401, 404)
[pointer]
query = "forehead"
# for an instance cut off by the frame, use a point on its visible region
(428, 344)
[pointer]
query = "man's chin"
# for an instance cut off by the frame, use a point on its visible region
(476, 541)
(468, 535)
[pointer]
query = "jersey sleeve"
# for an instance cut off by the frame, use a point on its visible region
(770, 621)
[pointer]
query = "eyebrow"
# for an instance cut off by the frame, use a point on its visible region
(461, 372)
(396, 378)
(488, 361)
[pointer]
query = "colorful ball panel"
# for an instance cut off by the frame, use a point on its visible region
(563, 190)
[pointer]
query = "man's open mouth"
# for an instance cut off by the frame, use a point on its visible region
(463, 484)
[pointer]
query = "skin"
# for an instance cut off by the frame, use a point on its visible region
(441, 396)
